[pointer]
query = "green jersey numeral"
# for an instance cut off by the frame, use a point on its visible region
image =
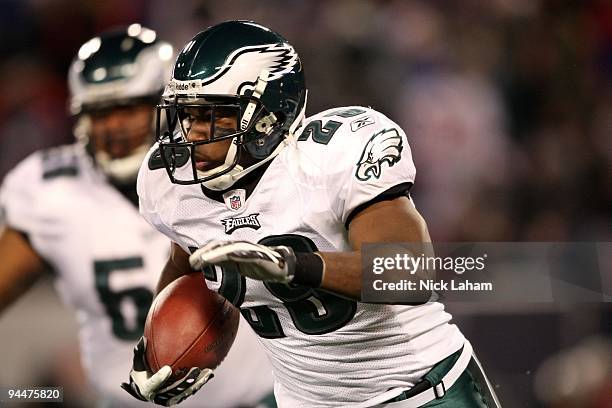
(140, 296)
(312, 311)
(323, 133)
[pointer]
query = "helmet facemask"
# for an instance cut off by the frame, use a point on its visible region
(242, 119)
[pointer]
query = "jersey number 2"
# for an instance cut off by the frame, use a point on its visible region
(321, 133)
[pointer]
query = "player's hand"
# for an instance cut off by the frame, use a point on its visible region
(276, 263)
(147, 386)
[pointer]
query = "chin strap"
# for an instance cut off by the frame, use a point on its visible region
(124, 169)
(260, 87)
(81, 129)
(227, 180)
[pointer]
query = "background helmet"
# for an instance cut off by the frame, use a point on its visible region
(240, 66)
(118, 68)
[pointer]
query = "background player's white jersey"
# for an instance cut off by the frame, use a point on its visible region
(326, 350)
(107, 260)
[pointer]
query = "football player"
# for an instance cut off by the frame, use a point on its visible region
(275, 207)
(74, 208)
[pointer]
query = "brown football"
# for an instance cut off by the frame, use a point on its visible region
(189, 325)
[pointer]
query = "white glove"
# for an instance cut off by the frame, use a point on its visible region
(275, 264)
(147, 386)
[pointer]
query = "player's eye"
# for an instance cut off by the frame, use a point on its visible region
(188, 117)
(186, 121)
(221, 131)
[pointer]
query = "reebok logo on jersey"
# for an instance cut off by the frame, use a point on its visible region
(385, 146)
(232, 224)
(361, 122)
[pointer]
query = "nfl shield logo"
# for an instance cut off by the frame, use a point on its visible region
(235, 200)
(235, 203)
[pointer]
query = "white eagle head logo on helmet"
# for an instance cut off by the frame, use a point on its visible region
(239, 67)
(241, 70)
(385, 146)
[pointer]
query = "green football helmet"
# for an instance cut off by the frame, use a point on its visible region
(119, 68)
(239, 68)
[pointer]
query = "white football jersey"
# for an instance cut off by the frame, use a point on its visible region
(106, 260)
(325, 350)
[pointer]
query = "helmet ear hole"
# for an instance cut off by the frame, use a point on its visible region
(268, 135)
(266, 124)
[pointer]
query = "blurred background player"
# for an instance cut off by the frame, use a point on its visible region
(73, 210)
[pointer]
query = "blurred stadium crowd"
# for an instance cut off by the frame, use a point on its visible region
(507, 103)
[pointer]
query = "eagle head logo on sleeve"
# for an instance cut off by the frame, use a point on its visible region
(385, 146)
